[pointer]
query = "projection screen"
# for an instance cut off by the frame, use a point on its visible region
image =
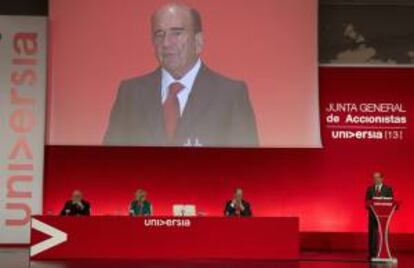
(246, 73)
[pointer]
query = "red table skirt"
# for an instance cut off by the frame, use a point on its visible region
(164, 237)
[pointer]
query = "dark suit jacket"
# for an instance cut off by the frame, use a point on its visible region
(218, 113)
(386, 191)
(140, 209)
(71, 209)
(231, 211)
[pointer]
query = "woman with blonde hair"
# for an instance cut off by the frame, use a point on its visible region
(140, 206)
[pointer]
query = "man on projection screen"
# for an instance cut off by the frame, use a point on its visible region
(183, 102)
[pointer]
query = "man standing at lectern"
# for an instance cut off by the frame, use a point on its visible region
(378, 189)
(183, 102)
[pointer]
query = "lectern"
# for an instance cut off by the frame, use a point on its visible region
(383, 209)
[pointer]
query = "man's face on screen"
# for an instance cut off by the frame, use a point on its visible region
(176, 44)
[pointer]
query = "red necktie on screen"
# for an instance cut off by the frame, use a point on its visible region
(172, 109)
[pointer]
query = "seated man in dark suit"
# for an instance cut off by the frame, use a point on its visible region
(378, 189)
(183, 102)
(140, 206)
(237, 206)
(77, 206)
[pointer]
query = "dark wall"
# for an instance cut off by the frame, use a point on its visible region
(24, 7)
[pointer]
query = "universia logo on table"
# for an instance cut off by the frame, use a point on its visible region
(167, 222)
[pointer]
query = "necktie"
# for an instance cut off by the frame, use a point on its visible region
(238, 210)
(377, 190)
(172, 109)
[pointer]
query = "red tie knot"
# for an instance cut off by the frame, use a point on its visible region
(174, 88)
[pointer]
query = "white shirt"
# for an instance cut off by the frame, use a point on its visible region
(378, 187)
(187, 81)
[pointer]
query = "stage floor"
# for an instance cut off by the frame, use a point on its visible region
(19, 258)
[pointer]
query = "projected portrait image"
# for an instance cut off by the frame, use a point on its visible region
(200, 73)
(183, 102)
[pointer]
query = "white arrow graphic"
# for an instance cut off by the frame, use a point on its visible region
(56, 237)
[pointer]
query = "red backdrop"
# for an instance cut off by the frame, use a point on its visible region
(324, 187)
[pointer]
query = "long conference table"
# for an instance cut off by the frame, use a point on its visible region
(123, 237)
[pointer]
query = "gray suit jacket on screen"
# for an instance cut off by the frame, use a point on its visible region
(218, 113)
